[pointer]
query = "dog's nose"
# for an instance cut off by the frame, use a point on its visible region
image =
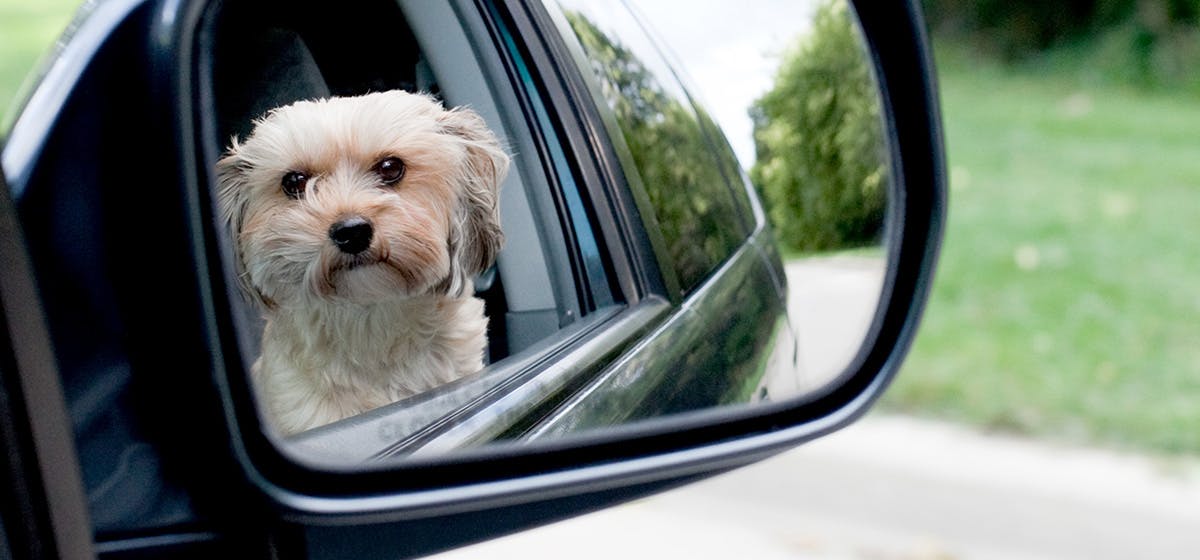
(351, 235)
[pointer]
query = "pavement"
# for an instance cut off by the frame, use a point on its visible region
(899, 488)
(891, 487)
(832, 301)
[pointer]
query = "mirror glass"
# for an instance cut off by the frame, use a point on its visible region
(791, 85)
(412, 279)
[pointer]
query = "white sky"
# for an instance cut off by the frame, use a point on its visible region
(729, 50)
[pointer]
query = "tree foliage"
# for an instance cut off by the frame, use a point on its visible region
(1022, 27)
(1141, 42)
(821, 159)
(674, 157)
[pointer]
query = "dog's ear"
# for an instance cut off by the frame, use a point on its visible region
(232, 200)
(475, 235)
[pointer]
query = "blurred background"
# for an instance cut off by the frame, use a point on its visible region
(27, 30)
(1066, 309)
(1067, 304)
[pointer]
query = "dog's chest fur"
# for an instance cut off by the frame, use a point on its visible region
(323, 363)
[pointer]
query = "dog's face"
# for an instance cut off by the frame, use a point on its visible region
(362, 199)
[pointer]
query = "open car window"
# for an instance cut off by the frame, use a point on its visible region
(265, 58)
(550, 288)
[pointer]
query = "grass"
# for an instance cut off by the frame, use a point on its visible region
(1067, 303)
(27, 30)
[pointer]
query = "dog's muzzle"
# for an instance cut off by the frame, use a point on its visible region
(352, 235)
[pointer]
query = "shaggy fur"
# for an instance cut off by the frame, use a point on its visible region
(348, 331)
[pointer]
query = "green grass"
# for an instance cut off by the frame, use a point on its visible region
(1067, 302)
(27, 30)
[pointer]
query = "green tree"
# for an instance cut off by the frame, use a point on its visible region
(822, 163)
(1144, 43)
(1019, 28)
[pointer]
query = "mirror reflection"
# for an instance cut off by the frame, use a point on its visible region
(462, 248)
(823, 170)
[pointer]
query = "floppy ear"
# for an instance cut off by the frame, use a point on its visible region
(232, 200)
(475, 235)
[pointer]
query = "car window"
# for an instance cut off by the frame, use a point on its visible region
(695, 209)
(266, 58)
(703, 96)
(552, 279)
(598, 291)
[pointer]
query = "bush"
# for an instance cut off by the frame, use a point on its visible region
(1016, 29)
(1144, 43)
(821, 164)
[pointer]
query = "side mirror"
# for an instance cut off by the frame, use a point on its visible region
(604, 252)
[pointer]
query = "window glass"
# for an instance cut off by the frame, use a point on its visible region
(739, 182)
(696, 211)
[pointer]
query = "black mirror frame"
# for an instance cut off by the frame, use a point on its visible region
(619, 464)
(483, 493)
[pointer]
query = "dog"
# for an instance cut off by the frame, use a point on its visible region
(358, 226)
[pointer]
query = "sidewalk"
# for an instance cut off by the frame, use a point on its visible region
(892, 487)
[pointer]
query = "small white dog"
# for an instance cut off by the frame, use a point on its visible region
(359, 224)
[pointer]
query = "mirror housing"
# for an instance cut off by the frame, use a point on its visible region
(442, 502)
(541, 482)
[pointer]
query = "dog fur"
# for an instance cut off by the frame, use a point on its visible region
(346, 332)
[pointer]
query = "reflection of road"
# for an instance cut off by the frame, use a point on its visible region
(831, 301)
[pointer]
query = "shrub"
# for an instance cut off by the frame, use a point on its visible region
(821, 161)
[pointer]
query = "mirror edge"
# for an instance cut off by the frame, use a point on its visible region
(664, 453)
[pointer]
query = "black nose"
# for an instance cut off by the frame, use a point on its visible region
(351, 235)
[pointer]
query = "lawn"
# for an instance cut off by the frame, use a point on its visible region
(27, 29)
(1067, 302)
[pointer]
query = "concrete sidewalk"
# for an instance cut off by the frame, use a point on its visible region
(893, 487)
(889, 487)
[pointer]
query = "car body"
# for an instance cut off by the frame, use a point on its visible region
(640, 286)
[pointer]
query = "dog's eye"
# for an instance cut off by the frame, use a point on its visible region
(390, 170)
(294, 183)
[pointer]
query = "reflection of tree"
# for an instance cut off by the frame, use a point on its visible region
(691, 199)
(818, 133)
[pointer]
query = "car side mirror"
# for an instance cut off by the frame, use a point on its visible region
(587, 469)
(595, 260)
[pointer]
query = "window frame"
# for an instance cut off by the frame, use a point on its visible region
(624, 214)
(532, 381)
